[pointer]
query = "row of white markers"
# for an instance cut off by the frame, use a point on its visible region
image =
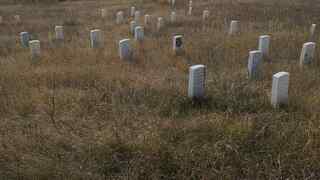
(197, 73)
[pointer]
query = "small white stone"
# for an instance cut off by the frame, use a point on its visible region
(24, 39)
(234, 27)
(119, 18)
(34, 46)
(307, 53)
(173, 17)
(264, 42)
(177, 43)
(205, 15)
(137, 16)
(312, 31)
(132, 11)
(190, 11)
(103, 13)
(59, 32)
(133, 25)
(160, 23)
(197, 78)
(125, 49)
(254, 64)
(96, 38)
(139, 33)
(147, 19)
(17, 18)
(280, 88)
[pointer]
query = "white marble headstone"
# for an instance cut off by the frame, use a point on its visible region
(132, 11)
(280, 88)
(160, 23)
(24, 39)
(119, 18)
(234, 27)
(34, 46)
(137, 16)
(312, 31)
(103, 12)
(173, 17)
(146, 19)
(254, 64)
(264, 42)
(190, 11)
(125, 49)
(307, 53)
(59, 32)
(197, 78)
(177, 43)
(205, 15)
(139, 33)
(133, 25)
(96, 38)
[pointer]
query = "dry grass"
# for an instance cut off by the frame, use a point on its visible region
(80, 113)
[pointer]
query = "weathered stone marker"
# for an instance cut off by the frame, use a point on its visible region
(133, 25)
(190, 11)
(254, 64)
(17, 18)
(103, 12)
(307, 53)
(59, 32)
(197, 77)
(234, 27)
(205, 15)
(160, 23)
(177, 43)
(137, 16)
(173, 17)
(146, 19)
(24, 39)
(96, 38)
(264, 42)
(119, 18)
(280, 88)
(124, 49)
(139, 33)
(312, 32)
(132, 11)
(34, 46)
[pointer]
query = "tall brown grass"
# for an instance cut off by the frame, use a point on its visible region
(80, 113)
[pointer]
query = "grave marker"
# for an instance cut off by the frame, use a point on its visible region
(124, 49)
(307, 53)
(160, 23)
(264, 42)
(234, 27)
(139, 33)
(59, 32)
(133, 25)
(147, 19)
(254, 64)
(197, 77)
(24, 39)
(133, 10)
(177, 43)
(173, 17)
(190, 11)
(96, 38)
(312, 32)
(280, 87)
(34, 46)
(120, 17)
(103, 12)
(17, 18)
(137, 16)
(205, 15)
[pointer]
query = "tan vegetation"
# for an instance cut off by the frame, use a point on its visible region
(80, 113)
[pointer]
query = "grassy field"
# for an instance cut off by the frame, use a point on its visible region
(82, 113)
